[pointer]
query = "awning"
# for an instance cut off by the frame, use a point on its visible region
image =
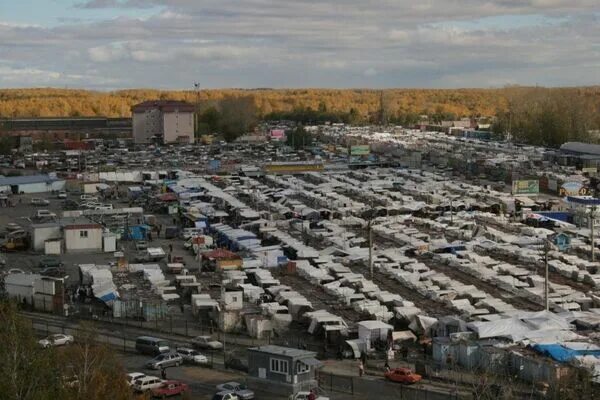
(311, 362)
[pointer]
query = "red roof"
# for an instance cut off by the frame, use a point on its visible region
(167, 197)
(220, 254)
(163, 105)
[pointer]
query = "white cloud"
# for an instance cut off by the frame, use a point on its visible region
(238, 43)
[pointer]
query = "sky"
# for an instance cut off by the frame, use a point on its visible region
(170, 44)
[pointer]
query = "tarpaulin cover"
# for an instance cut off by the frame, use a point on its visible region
(562, 353)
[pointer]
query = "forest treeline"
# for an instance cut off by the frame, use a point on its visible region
(533, 114)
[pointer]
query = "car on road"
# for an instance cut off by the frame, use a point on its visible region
(192, 356)
(87, 197)
(164, 361)
(58, 339)
(151, 345)
(239, 389)
(146, 383)
(47, 262)
(225, 396)
(304, 396)
(36, 201)
(206, 342)
(62, 194)
(402, 375)
(141, 245)
(44, 214)
(170, 388)
(11, 226)
(133, 376)
(52, 271)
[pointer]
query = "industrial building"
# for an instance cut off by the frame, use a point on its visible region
(163, 122)
(31, 184)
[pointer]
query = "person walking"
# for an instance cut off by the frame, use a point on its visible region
(361, 368)
(163, 373)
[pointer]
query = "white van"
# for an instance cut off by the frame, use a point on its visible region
(44, 214)
(146, 383)
(88, 197)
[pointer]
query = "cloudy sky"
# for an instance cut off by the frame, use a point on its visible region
(170, 44)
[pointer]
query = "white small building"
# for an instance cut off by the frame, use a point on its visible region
(21, 287)
(40, 233)
(82, 235)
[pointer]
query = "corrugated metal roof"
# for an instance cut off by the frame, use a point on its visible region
(579, 147)
(26, 179)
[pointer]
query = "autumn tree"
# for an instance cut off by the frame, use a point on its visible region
(82, 371)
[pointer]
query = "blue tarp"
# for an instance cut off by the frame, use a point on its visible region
(560, 216)
(563, 354)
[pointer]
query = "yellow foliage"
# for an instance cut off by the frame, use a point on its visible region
(47, 102)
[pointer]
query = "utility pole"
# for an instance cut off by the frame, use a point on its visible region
(370, 227)
(197, 119)
(592, 216)
(546, 297)
(451, 212)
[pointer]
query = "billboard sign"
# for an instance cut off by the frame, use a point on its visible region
(277, 134)
(573, 189)
(530, 186)
(361, 150)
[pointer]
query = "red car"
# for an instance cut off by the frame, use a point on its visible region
(170, 388)
(403, 375)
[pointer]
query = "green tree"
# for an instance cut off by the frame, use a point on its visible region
(239, 115)
(298, 138)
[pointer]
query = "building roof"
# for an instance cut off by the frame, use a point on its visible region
(79, 223)
(163, 105)
(580, 147)
(221, 254)
(21, 279)
(285, 351)
(26, 179)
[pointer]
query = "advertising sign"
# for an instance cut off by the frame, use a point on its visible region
(277, 134)
(361, 150)
(531, 186)
(573, 189)
(214, 165)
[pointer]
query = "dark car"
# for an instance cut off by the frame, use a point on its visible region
(52, 271)
(50, 262)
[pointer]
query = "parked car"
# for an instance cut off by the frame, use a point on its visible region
(47, 262)
(151, 345)
(239, 389)
(11, 227)
(88, 197)
(58, 339)
(225, 396)
(304, 396)
(52, 271)
(403, 375)
(236, 362)
(165, 360)
(141, 245)
(43, 214)
(146, 383)
(36, 201)
(62, 194)
(192, 356)
(133, 376)
(206, 342)
(170, 388)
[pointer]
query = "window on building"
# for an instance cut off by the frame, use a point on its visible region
(83, 234)
(302, 368)
(279, 366)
